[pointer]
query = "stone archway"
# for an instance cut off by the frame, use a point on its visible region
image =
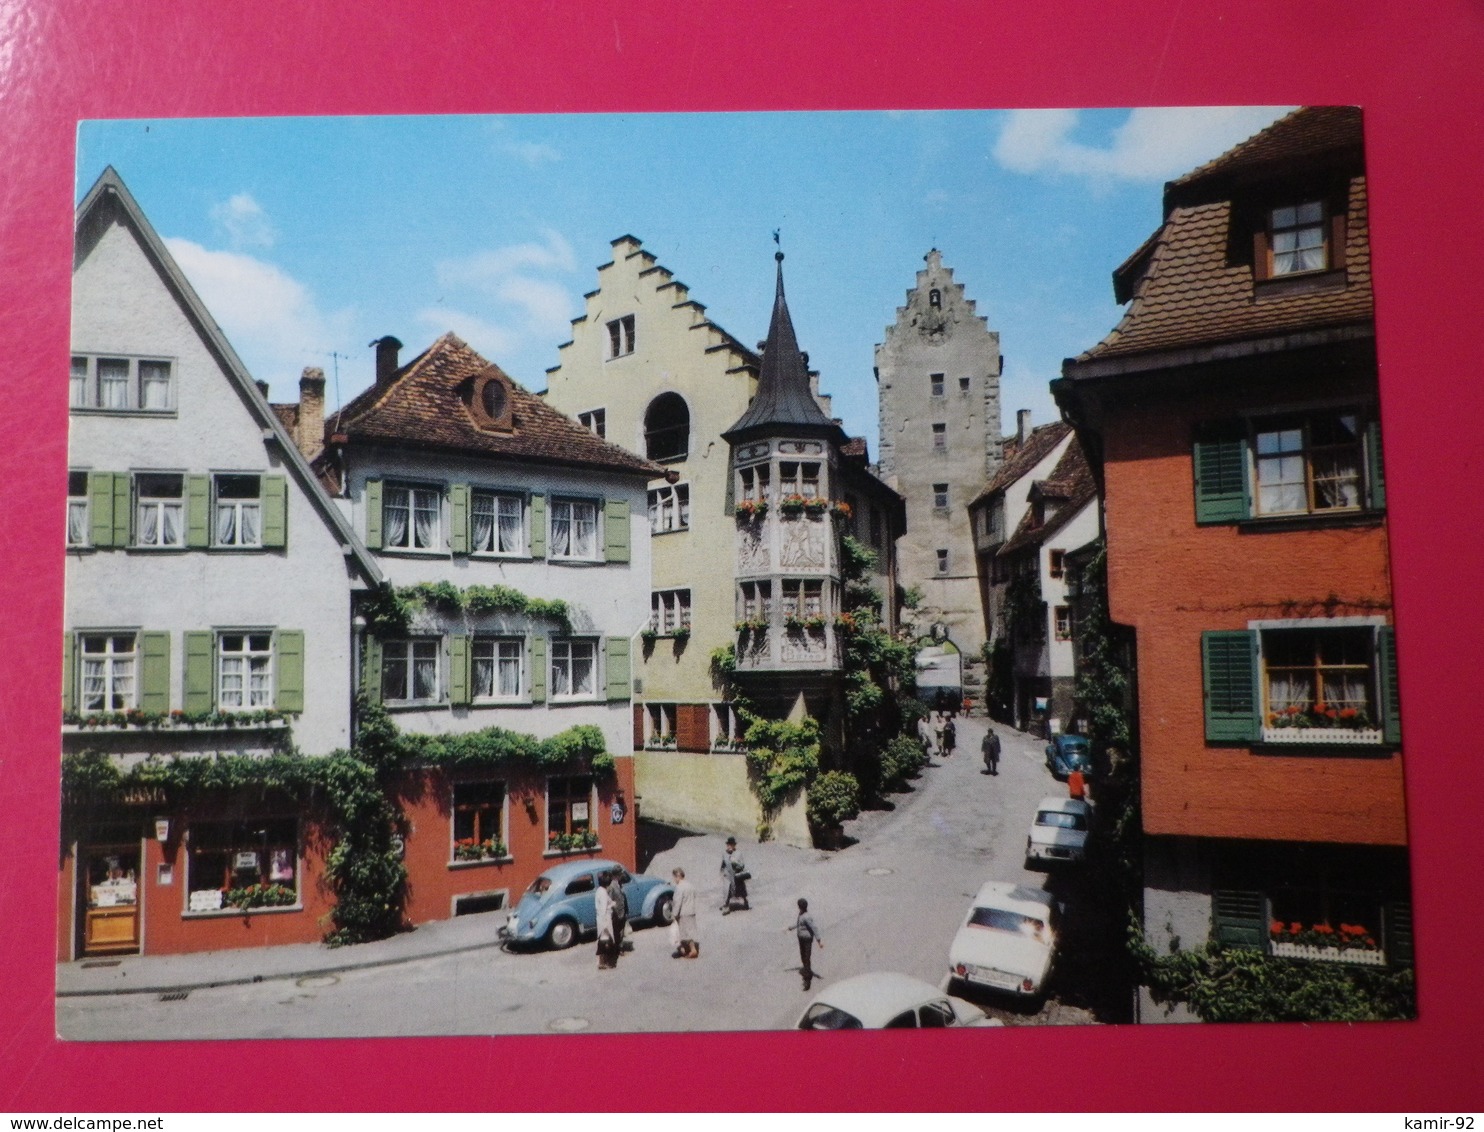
(940, 671)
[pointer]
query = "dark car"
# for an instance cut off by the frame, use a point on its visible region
(1066, 753)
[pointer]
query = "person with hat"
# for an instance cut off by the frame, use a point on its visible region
(734, 876)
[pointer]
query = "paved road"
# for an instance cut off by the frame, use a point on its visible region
(891, 901)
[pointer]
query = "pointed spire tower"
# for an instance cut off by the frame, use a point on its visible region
(787, 467)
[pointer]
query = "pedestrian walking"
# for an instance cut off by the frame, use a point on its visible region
(683, 903)
(620, 912)
(925, 737)
(603, 905)
(950, 736)
(991, 749)
(734, 876)
(938, 732)
(808, 934)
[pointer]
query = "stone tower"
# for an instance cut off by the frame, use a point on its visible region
(938, 389)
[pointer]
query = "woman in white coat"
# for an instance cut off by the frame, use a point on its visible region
(607, 951)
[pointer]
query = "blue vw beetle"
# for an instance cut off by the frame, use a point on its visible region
(560, 904)
(1066, 753)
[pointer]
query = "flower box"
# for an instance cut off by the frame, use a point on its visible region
(1364, 956)
(571, 842)
(752, 508)
(470, 850)
(1327, 736)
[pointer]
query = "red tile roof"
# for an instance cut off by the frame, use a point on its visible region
(1018, 460)
(425, 405)
(1302, 135)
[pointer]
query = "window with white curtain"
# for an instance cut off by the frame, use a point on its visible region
(244, 671)
(497, 665)
(122, 384)
(159, 518)
(239, 511)
(108, 671)
(77, 509)
(1320, 670)
(497, 523)
(409, 670)
(411, 517)
(574, 529)
(574, 668)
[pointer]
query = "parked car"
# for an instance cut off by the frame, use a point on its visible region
(1007, 941)
(884, 1000)
(1058, 831)
(1066, 753)
(560, 904)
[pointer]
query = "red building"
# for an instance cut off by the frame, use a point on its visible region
(1232, 419)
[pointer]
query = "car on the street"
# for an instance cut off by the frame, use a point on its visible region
(1058, 831)
(1066, 753)
(561, 904)
(1007, 941)
(884, 1000)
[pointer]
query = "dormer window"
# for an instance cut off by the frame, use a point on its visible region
(490, 401)
(1298, 238)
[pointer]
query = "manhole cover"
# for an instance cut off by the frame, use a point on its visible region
(317, 981)
(880, 871)
(569, 1025)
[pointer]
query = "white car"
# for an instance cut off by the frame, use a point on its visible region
(887, 1001)
(1058, 831)
(1008, 939)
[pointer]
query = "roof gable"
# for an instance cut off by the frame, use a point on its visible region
(108, 200)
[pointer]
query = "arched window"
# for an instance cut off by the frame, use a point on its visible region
(667, 428)
(935, 298)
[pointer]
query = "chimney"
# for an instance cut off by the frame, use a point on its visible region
(309, 435)
(386, 358)
(1023, 424)
(262, 388)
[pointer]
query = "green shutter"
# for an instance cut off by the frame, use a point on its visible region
(371, 669)
(458, 669)
(618, 666)
(1233, 708)
(1238, 918)
(1391, 705)
(458, 507)
(538, 670)
(288, 666)
(1397, 933)
(154, 672)
(200, 670)
(1221, 475)
(1375, 472)
(69, 672)
(538, 526)
(372, 499)
(616, 531)
(122, 499)
(100, 503)
(198, 511)
(275, 511)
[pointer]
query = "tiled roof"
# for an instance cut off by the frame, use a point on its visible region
(1018, 459)
(424, 405)
(1192, 295)
(855, 446)
(288, 416)
(1071, 485)
(1300, 135)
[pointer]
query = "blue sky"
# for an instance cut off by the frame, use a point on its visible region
(309, 237)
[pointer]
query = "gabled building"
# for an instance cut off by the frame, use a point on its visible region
(1233, 421)
(648, 370)
(208, 602)
(517, 543)
(938, 394)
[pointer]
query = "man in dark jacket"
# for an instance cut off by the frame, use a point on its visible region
(991, 749)
(808, 934)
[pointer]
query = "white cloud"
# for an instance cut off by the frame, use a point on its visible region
(245, 222)
(1152, 144)
(519, 287)
(485, 337)
(269, 317)
(534, 153)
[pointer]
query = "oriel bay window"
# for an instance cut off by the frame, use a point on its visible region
(242, 865)
(1302, 683)
(1319, 463)
(753, 483)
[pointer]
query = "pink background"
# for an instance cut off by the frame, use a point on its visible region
(1415, 68)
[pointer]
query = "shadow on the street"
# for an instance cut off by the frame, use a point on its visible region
(655, 837)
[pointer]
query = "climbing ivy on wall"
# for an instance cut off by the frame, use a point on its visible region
(389, 612)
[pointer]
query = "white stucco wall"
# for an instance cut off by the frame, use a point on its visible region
(122, 307)
(607, 599)
(1080, 530)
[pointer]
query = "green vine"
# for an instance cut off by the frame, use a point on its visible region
(158, 720)
(389, 612)
(782, 758)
